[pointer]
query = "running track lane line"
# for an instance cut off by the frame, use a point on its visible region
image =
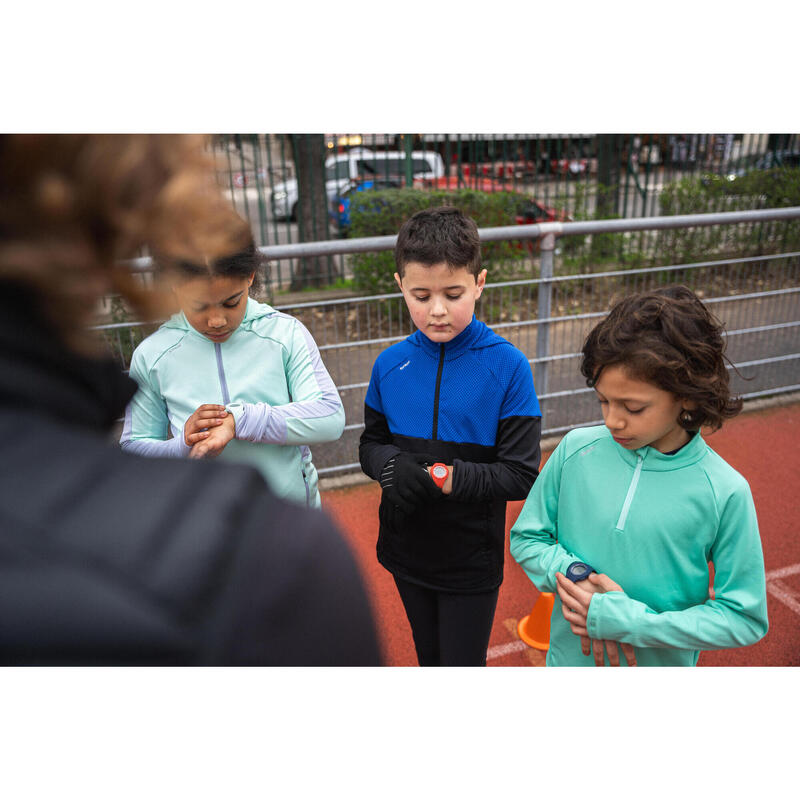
(780, 591)
(775, 587)
(500, 650)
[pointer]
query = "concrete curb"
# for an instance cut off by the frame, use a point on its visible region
(550, 443)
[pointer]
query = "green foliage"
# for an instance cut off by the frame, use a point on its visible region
(774, 188)
(381, 213)
(587, 252)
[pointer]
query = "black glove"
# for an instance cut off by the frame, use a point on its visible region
(406, 482)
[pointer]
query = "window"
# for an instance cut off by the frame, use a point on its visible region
(391, 167)
(341, 169)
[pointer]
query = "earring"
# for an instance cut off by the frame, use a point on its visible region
(686, 418)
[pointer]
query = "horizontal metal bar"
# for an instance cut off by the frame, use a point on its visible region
(340, 468)
(565, 393)
(762, 328)
(548, 359)
(353, 386)
(378, 243)
(569, 392)
(343, 300)
(648, 223)
(362, 343)
(751, 295)
(119, 325)
(565, 428)
(759, 361)
(277, 252)
(638, 271)
(778, 390)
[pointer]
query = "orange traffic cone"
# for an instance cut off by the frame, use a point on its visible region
(534, 629)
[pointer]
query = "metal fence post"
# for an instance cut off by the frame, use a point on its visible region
(544, 298)
(408, 142)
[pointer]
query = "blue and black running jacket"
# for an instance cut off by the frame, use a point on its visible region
(471, 403)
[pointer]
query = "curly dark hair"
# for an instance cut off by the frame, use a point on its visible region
(439, 235)
(667, 337)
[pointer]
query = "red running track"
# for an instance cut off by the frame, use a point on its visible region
(763, 445)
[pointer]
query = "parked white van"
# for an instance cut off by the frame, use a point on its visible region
(362, 163)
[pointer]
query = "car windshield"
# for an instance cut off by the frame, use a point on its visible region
(391, 166)
(336, 171)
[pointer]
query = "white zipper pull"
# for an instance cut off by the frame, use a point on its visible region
(623, 516)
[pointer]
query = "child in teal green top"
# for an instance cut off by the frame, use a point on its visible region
(624, 518)
(230, 377)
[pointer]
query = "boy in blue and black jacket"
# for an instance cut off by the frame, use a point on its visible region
(455, 395)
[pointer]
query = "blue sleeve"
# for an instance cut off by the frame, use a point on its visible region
(517, 447)
(520, 399)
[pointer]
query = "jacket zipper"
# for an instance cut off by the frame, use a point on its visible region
(623, 516)
(223, 382)
(221, 372)
(436, 395)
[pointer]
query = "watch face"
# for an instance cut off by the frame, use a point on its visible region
(440, 472)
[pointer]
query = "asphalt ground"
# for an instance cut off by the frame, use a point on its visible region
(762, 445)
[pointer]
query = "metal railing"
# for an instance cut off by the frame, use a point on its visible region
(548, 316)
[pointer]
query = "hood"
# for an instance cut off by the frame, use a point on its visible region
(255, 311)
(475, 336)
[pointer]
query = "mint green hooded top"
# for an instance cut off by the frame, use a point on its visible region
(651, 522)
(269, 375)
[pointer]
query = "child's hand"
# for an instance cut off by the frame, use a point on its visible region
(575, 600)
(209, 415)
(217, 438)
(405, 481)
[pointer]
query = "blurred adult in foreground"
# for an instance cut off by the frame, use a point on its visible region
(106, 557)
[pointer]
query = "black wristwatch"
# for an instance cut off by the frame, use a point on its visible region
(578, 571)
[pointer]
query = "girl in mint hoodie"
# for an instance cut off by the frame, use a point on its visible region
(230, 377)
(624, 519)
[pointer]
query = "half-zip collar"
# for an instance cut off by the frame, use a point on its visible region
(626, 506)
(655, 461)
(456, 346)
(651, 460)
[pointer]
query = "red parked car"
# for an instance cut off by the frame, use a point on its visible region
(529, 211)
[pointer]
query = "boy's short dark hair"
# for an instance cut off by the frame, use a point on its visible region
(436, 235)
(667, 337)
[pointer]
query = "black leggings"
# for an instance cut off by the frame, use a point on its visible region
(450, 630)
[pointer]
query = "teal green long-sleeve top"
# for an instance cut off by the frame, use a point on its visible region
(651, 522)
(268, 374)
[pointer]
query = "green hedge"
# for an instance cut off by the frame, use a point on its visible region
(774, 188)
(382, 212)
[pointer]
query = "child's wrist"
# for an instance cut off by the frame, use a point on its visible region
(447, 486)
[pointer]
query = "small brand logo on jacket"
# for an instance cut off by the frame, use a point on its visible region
(406, 364)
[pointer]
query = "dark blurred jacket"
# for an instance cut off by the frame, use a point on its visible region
(109, 558)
